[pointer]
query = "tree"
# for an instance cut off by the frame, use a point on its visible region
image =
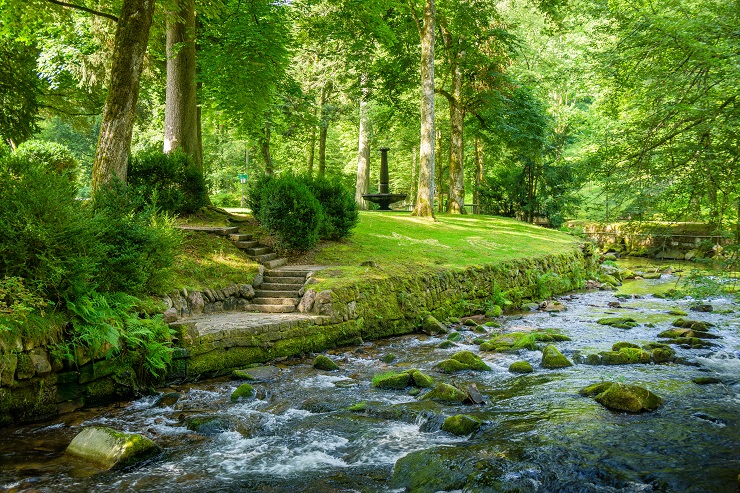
(19, 91)
(114, 144)
(425, 24)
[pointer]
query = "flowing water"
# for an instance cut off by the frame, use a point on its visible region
(538, 433)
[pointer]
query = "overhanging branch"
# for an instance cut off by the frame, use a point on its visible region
(84, 9)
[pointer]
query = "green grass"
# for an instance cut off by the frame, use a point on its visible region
(210, 261)
(399, 243)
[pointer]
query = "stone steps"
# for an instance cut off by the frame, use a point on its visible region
(267, 293)
(275, 301)
(271, 308)
(279, 286)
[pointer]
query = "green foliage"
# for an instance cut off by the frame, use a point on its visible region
(137, 242)
(19, 90)
(107, 325)
(172, 182)
(54, 156)
(289, 210)
(19, 304)
(340, 213)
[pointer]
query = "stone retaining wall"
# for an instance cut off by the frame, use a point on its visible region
(34, 385)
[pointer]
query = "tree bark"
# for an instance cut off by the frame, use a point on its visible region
(479, 173)
(311, 147)
(425, 196)
(414, 175)
(116, 126)
(456, 202)
(265, 148)
(181, 107)
(363, 150)
(439, 169)
(324, 126)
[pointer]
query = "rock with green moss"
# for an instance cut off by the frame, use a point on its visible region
(692, 324)
(677, 312)
(358, 407)
(706, 380)
(111, 449)
(553, 359)
(454, 337)
(521, 367)
(450, 366)
(244, 391)
(471, 360)
(325, 363)
(388, 358)
(446, 344)
(623, 397)
(610, 280)
(420, 379)
(461, 424)
(652, 275)
(392, 380)
(494, 311)
(625, 356)
(431, 326)
(661, 353)
(618, 322)
(446, 393)
(513, 341)
(209, 425)
(619, 345)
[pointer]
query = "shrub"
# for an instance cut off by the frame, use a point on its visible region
(290, 211)
(137, 242)
(171, 181)
(226, 199)
(338, 204)
(54, 156)
(44, 237)
(255, 190)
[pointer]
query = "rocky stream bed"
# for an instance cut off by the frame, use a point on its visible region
(312, 430)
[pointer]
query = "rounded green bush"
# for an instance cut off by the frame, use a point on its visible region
(339, 207)
(55, 157)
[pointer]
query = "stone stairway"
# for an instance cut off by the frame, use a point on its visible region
(279, 291)
(259, 253)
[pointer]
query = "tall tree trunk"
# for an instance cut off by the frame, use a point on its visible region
(265, 148)
(439, 169)
(311, 146)
(414, 175)
(181, 106)
(324, 126)
(425, 196)
(456, 202)
(479, 173)
(116, 126)
(363, 149)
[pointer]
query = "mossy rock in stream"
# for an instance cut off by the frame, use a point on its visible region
(623, 397)
(446, 393)
(430, 471)
(431, 326)
(111, 449)
(609, 279)
(677, 312)
(521, 367)
(661, 353)
(392, 380)
(209, 425)
(494, 311)
(619, 345)
(461, 424)
(454, 336)
(242, 374)
(244, 391)
(690, 342)
(625, 356)
(325, 363)
(692, 324)
(618, 322)
(512, 341)
(553, 359)
(706, 380)
(446, 345)
(451, 366)
(421, 379)
(471, 360)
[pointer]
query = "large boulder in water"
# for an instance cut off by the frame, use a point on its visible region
(446, 392)
(108, 448)
(461, 424)
(552, 358)
(623, 397)
(464, 360)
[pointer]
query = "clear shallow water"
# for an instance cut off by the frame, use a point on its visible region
(298, 435)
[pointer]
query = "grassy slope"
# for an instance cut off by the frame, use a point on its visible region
(399, 243)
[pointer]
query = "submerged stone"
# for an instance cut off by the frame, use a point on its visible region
(209, 425)
(244, 391)
(446, 344)
(623, 397)
(461, 424)
(445, 392)
(706, 380)
(521, 367)
(168, 400)
(242, 374)
(552, 358)
(322, 362)
(108, 448)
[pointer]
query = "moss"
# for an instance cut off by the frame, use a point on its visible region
(446, 344)
(595, 389)
(108, 448)
(461, 424)
(692, 324)
(244, 391)
(446, 393)
(677, 312)
(630, 398)
(451, 366)
(392, 380)
(610, 280)
(242, 375)
(322, 362)
(673, 333)
(553, 359)
(209, 425)
(521, 367)
(420, 379)
(471, 360)
(388, 358)
(432, 326)
(663, 355)
(494, 311)
(618, 322)
(358, 407)
(454, 337)
(706, 380)
(620, 345)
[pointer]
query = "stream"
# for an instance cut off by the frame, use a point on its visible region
(538, 434)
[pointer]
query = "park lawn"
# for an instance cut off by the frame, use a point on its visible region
(397, 243)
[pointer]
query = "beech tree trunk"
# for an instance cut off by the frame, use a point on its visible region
(324, 126)
(414, 175)
(116, 126)
(479, 173)
(456, 201)
(265, 148)
(439, 169)
(363, 151)
(181, 107)
(425, 195)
